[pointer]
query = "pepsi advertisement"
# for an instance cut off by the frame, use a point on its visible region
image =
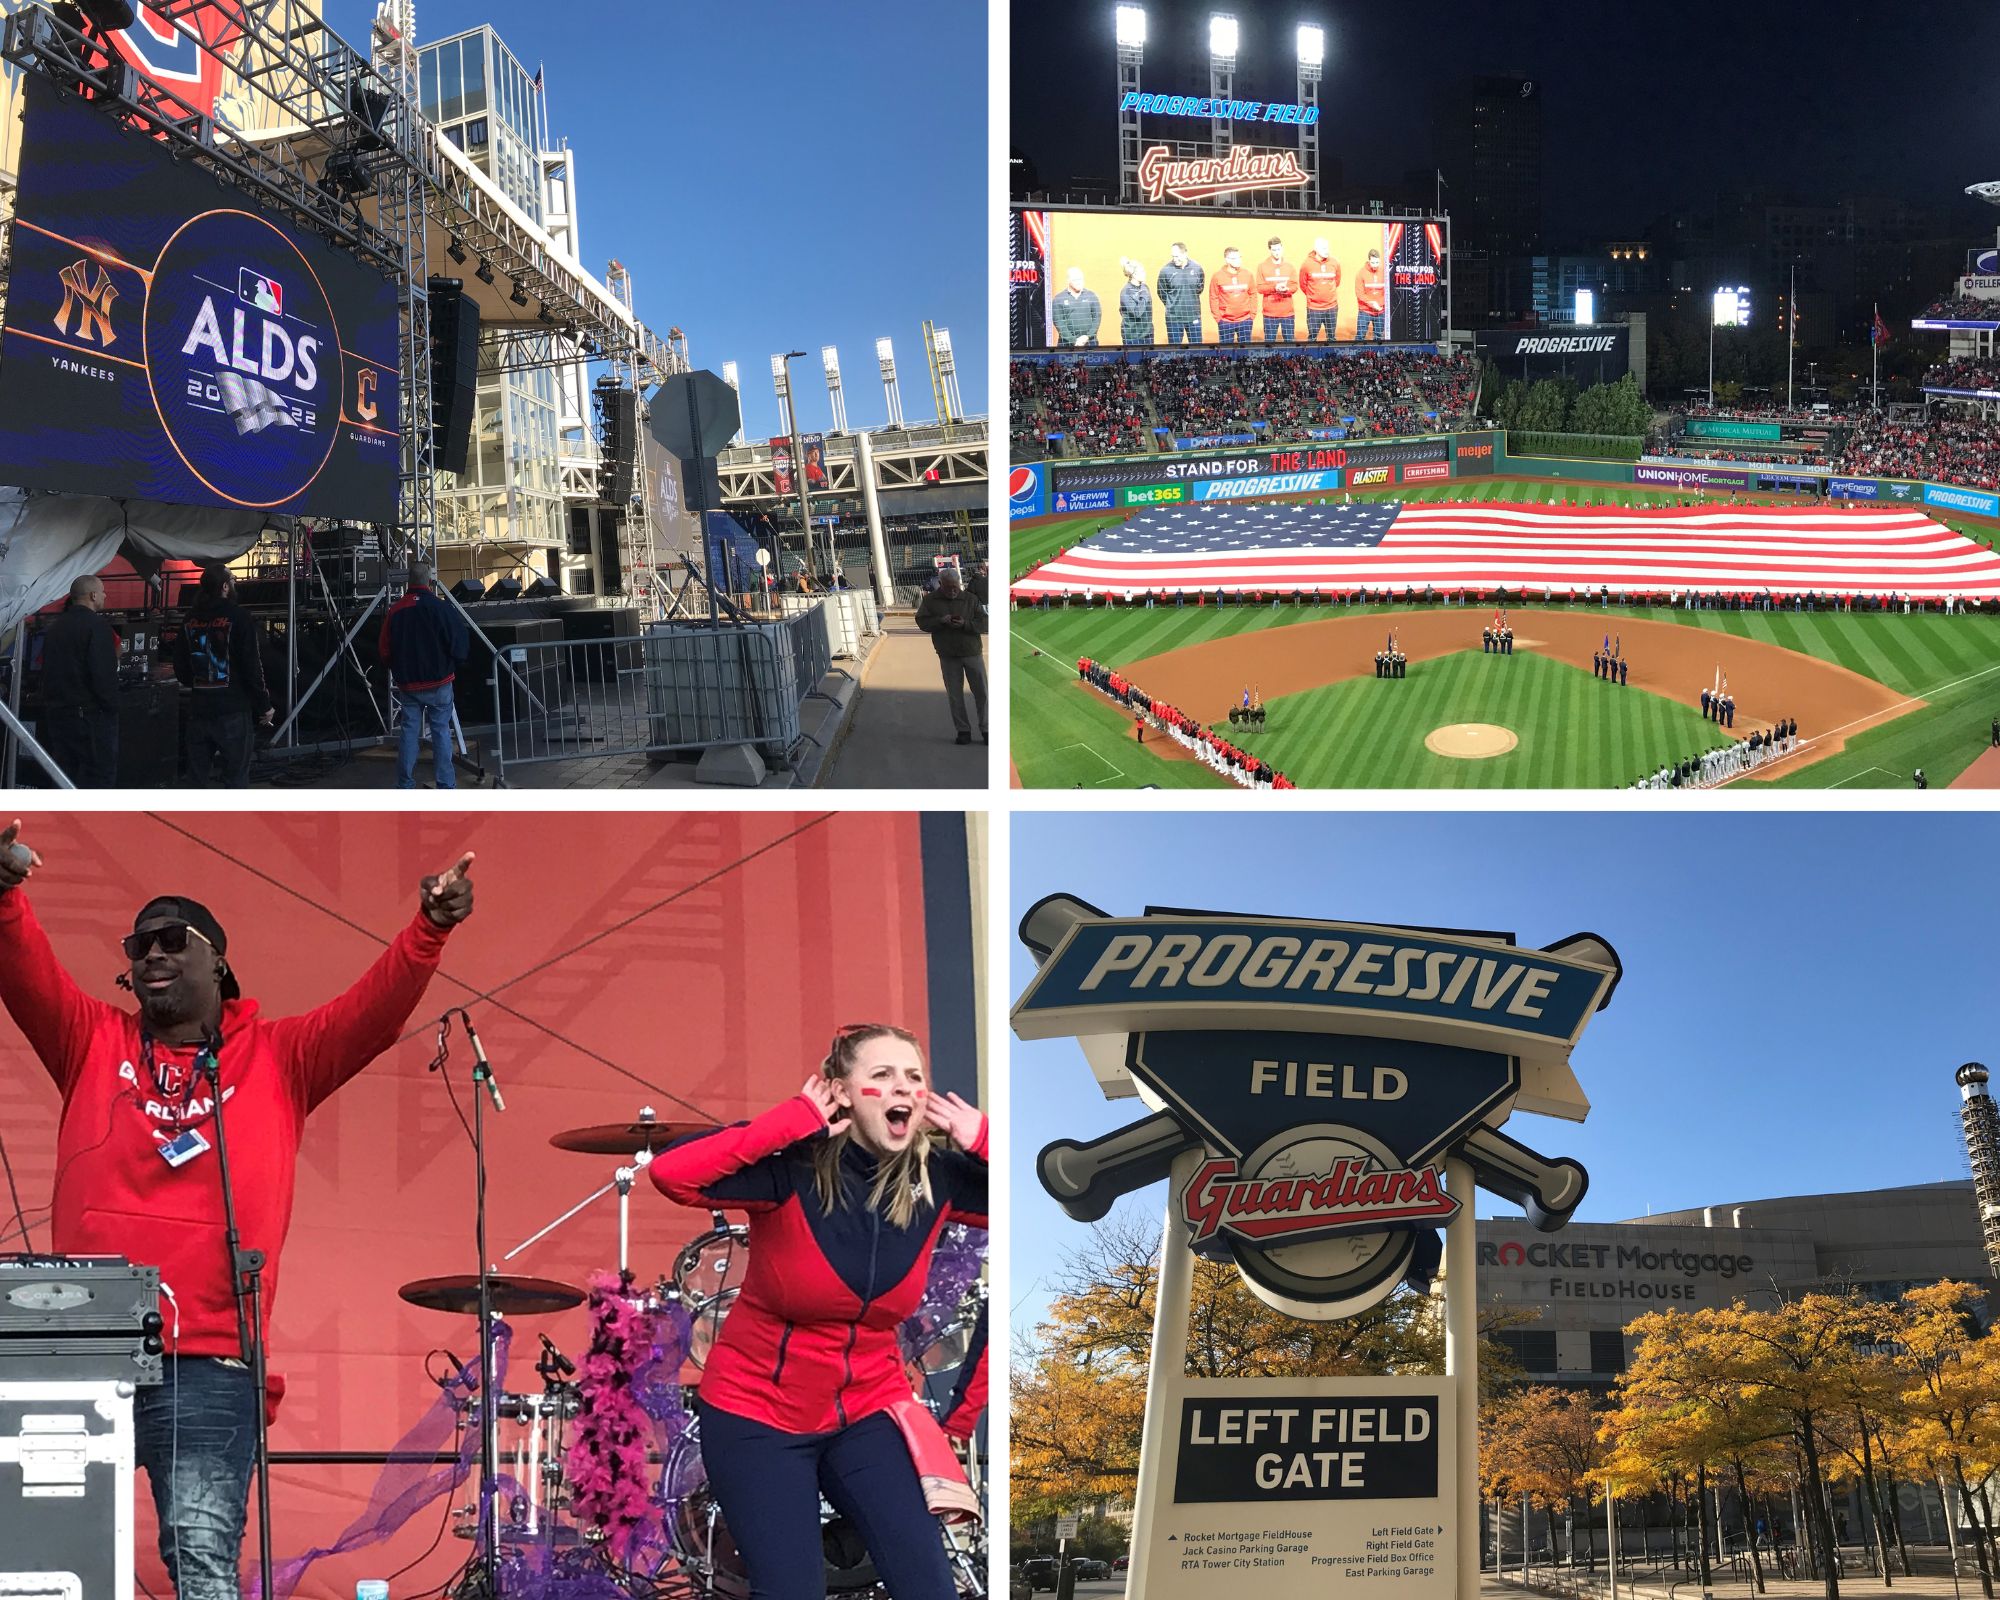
(164, 341)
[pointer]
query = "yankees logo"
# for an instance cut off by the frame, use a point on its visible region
(90, 301)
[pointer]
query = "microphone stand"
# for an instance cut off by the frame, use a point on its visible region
(246, 1281)
(489, 1406)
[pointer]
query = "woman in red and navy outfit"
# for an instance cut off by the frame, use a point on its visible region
(846, 1199)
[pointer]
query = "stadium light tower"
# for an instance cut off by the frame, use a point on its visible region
(734, 378)
(781, 380)
(1312, 56)
(1223, 37)
(781, 369)
(885, 356)
(1131, 24)
(829, 358)
(950, 407)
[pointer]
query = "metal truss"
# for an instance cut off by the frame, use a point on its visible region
(904, 458)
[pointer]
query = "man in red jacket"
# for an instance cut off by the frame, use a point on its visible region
(137, 1174)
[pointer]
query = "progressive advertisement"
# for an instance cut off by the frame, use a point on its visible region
(1227, 474)
(165, 343)
(1135, 279)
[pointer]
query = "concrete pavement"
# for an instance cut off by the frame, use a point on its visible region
(900, 734)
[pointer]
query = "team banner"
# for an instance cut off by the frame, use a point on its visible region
(165, 343)
(812, 454)
(1136, 279)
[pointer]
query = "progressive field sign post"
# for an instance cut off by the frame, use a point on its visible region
(1324, 1097)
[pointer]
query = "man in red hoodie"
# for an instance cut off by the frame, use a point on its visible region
(137, 1174)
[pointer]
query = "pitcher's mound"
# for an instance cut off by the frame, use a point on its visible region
(1470, 741)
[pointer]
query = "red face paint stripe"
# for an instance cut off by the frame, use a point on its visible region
(873, 1094)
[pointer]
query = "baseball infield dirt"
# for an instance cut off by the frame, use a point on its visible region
(1471, 741)
(1830, 702)
(1984, 773)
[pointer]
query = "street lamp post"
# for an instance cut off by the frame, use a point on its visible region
(799, 462)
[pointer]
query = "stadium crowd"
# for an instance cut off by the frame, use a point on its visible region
(1096, 405)
(1963, 375)
(1112, 407)
(1386, 392)
(1204, 744)
(1956, 445)
(1960, 308)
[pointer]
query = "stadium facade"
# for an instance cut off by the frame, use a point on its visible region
(1589, 1280)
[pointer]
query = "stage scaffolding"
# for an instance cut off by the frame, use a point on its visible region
(336, 143)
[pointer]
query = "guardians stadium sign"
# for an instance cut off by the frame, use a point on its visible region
(1162, 176)
(1323, 1071)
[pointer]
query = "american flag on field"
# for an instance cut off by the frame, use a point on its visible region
(1250, 547)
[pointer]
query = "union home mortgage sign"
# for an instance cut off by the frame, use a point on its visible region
(1325, 1070)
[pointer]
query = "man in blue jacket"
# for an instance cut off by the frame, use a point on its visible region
(423, 640)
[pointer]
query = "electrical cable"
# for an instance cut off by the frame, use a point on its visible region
(489, 996)
(14, 1190)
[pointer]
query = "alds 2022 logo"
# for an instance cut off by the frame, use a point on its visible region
(244, 357)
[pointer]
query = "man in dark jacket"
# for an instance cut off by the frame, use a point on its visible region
(1180, 286)
(218, 660)
(1077, 313)
(955, 621)
(79, 725)
(423, 640)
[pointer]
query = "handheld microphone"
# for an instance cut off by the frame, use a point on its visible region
(485, 1066)
(19, 856)
(556, 1358)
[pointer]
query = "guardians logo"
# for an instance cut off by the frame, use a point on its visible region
(244, 358)
(1322, 1072)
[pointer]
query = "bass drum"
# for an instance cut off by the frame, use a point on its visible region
(708, 1273)
(707, 1549)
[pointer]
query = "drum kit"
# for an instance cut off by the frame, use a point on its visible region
(538, 1531)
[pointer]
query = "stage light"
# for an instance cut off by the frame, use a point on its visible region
(542, 312)
(1132, 27)
(1222, 36)
(518, 296)
(485, 272)
(1312, 44)
(456, 251)
(343, 175)
(109, 16)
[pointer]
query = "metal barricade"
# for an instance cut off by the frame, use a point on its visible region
(678, 687)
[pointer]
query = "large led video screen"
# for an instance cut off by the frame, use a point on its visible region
(167, 341)
(1098, 279)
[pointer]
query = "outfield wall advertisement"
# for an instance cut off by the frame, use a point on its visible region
(1027, 492)
(1977, 501)
(1090, 279)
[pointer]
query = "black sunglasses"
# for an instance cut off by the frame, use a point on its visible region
(172, 939)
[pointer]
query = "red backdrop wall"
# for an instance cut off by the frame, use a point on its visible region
(695, 963)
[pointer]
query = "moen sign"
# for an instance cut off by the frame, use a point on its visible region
(1163, 176)
(1327, 1094)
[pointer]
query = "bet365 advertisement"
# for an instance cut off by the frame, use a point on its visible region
(1116, 278)
(167, 341)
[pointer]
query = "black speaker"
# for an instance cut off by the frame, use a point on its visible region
(621, 442)
(504, 589)
(467, 590)
(542, 589)
(610, 570)
(454, 372)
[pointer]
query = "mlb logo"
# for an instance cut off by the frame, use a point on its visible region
(266, 294)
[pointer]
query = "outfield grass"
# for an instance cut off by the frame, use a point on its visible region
(1570, 737)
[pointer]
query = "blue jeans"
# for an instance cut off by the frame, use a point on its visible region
(1371, 325)
(1322, 322)
(1184, 330)
(421, 706)
(1237, 332)
(195, 1435)
(768, 1484)
(1281, 330)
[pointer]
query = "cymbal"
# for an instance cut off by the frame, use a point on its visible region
(512, 1297)
(624, 1138)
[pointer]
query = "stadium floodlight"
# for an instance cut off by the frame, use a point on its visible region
(1131, 27)
(777, 366)
(941, 340)
(885, 350)
(731, 376)
(1312, 44)
(1223, 36)
(1989, 192)
(1586, 307)
(829, 359)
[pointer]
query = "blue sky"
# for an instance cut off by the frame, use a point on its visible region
(777, 177)
(1798, 989)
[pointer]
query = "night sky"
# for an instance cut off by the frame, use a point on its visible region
(1646, 108)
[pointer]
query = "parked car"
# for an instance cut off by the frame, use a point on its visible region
(1121, 1564)
(1090, 1570)
(1039, 1573)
